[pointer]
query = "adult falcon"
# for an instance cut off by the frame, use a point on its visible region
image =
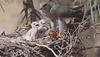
(57, 12)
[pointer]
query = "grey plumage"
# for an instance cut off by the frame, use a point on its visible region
(57, 12)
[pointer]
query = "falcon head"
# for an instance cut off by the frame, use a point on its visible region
(45, 8)
(43, 5)
(49, 3)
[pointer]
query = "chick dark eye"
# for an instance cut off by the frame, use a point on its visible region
(33, 24)
(44, 23)
(37, 24)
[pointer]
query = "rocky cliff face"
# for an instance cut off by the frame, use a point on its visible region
(11, 16)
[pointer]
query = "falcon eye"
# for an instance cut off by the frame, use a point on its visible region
(44, 5)
(37, 24)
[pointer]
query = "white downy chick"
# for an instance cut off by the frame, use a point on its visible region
(31, 34)
(42, 29)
